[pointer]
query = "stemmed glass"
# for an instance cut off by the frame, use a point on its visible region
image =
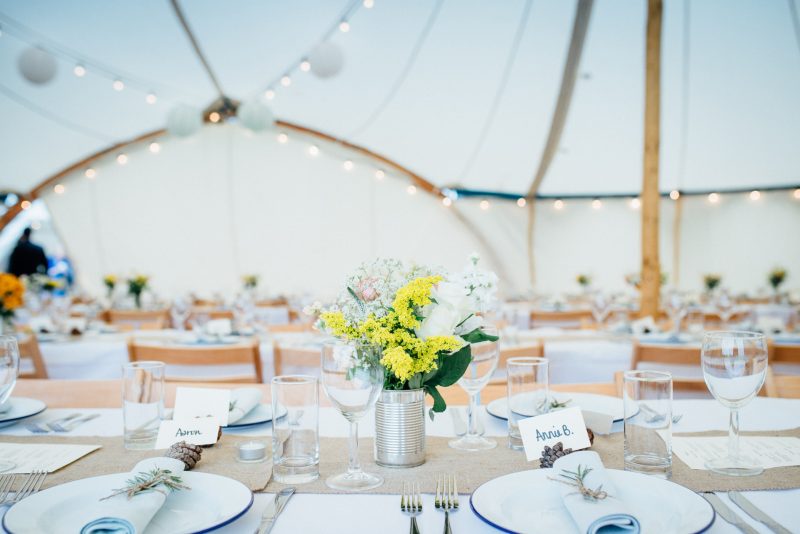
(352, 377)
(180, 312)
(724, 306)
(484, 362)
(676, 309)
(734, 368)
(9, 368)
(601, 307)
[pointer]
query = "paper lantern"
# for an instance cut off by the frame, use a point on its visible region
(326, 60)
(184, 120)
(255, 115)
(37, 66)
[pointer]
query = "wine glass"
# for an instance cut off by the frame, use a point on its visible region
(600, 309)
(724, 305)
(676, 309)
(180, 312)
(9, 368)
(352, 377)
(734, 368)
(484, 362)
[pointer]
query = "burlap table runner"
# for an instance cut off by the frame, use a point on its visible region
(471, 468)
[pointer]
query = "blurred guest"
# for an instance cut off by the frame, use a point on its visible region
(27, 257)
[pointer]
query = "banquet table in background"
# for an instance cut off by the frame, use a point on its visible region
(356, 513)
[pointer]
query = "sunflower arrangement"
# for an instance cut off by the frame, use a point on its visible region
(423, 321)
(11, 292)
(136, 286)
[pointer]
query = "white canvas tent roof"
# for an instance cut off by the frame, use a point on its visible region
(741, 114)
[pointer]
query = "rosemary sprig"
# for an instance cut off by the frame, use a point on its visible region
(576, 479)
(556, 404)
(149, 481)
(232, 405)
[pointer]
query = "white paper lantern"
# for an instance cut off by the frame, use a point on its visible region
(255, 115)
(37, 66)
(184, 120)
(326, 60)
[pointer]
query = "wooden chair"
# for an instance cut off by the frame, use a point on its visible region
(787, 386)
(29, 350)
(536, 350)
(290, 328)
(784, 354)
(713, 320)
(213, 355)
(295, 357)
(139, 319)
(671, 355)
(572, 319)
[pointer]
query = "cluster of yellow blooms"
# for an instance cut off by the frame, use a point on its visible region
(404, 354)
(110, 280)
(11, 292)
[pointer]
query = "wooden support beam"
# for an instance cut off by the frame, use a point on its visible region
(677, 217)
(651, 267)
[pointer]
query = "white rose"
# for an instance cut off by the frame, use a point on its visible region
(452, 305)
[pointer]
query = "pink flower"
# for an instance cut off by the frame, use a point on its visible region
(366, 290)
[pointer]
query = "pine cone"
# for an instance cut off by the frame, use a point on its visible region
(551, 454)
(186, 452)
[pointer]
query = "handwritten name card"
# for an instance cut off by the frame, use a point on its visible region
(566, 426)
(197, 431)
(202, 402)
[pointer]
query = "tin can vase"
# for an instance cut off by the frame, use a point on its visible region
(400, 428)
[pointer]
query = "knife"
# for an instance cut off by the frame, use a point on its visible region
(727, 514)
(274, 509)
(756, 513)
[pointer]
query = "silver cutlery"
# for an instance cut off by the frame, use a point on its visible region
(652, 416)
(446, 498)
(756, 513)
(6, 482)
(273, 510)
(45, 427)
(411, 504)
(727, 514)
(74, 423)
(30, 486)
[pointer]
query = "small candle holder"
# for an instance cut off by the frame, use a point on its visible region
(251, 452)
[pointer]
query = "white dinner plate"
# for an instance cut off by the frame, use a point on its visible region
(590, 402)
(528, 502)
(212, 502)
(21, 408)
(258, 415)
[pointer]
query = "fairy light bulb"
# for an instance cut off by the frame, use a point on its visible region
(755, 195)
(484, 205)
(369, 4)
(313, 150)
(283, 138)
(411, 190)
(521, 202)
(269, 94)
(286, 81)
(713, 198)
(118, 85)
(122, 159)
(151, 98)
(214, 116)
(597, 204)
(380, 174)
(348, 165)
(796, 194)
(674, 194)
(59, 189)
(154, 147)
(25, 204)
(447, 202)
(558, 204)
(79, 71)
(305, 66)
(90, 173)
(635, 203)
(344, 26)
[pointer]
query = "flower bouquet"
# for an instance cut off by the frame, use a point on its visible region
(584, 280)
(423, 320)
(712, 281)
(136, 287)
(11, 292)
(110, 281)
(776, 277)
(250, 281)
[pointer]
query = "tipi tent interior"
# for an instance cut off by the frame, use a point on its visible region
(582, 179)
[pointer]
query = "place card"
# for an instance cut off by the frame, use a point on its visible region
(566, 426)
(29, 457)
(767, 452)
(197, 431)
(202, 402)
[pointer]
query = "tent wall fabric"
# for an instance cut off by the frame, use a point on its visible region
(205, 210)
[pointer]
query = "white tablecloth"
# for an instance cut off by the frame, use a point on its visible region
(372, 513)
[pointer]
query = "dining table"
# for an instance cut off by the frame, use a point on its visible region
(369, 513)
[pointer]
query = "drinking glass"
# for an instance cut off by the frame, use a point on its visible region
(528, 382)
(9, 368)
(676, 309)
(695, 322)
(601, 307)
(734, 368)
(725, 308)
(353, 378)
(142, 403)
(180, 312)
(295, 429)
(647, 397)
(484, 362)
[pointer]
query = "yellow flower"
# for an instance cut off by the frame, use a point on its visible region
(399, 362)
(11, 292)
(415, 294)
(337, 325)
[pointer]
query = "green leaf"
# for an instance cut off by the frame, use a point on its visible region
(477, 336)
(439, 405)
(360, 303)
(465, 320)
(452, 367)
(415, 381)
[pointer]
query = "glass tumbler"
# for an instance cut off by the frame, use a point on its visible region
(528, 383)
(295, 429)
(142, 403)
(648, 422)
(9, 369)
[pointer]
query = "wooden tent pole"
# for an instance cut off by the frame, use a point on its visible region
(651, 268)
(677, 216)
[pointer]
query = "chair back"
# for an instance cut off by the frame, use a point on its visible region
(29, 351)
(139, 319)
(671, 355)
(500, 376)
(210, 355)
(572, 319)
(786, 386)
(784, 353)
(295, 357)
(289, 328)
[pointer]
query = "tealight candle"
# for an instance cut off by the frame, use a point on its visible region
(252, 451)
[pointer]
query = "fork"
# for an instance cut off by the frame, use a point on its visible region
(31, 485)
(73, 424)
(44, 428)
(411, 504)
(655, 417)
(446, 498)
